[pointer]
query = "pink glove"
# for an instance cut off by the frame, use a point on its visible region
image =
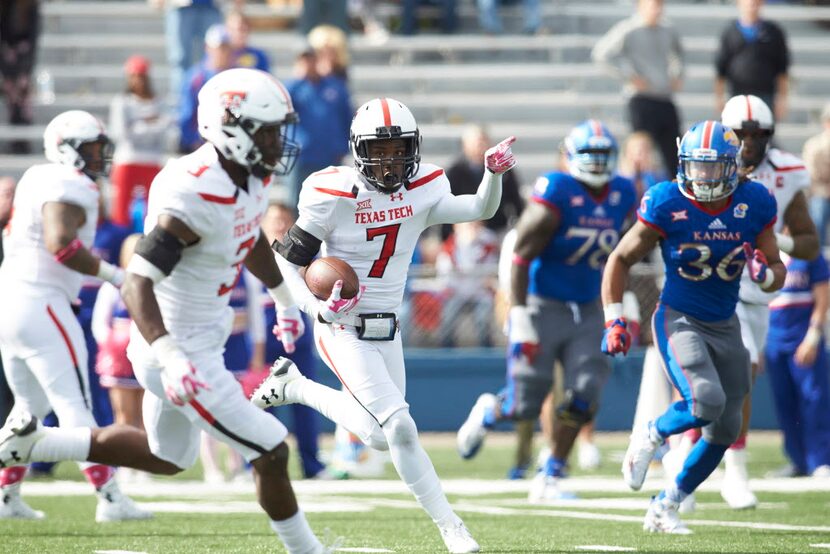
(758, 266)
(289, 327)
(335, 307)
(499, 159)
(180, 379)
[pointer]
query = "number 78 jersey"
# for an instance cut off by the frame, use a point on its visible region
(702, 248)
(569, 268)
(375, 232)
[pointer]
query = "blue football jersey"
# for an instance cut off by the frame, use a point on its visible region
(703, 249)
(569, 268)
(790, 310)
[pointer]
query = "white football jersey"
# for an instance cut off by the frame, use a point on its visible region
(196, 190)
(375, 232)
(784, 174)
(27, 259)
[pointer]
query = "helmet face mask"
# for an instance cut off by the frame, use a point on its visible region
(385, 143)
(708, 162)
(96, 156)
(754, 143)
(592, 153)
(247, 115)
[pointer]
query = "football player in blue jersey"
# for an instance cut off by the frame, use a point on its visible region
(562, 241)
(709, 225)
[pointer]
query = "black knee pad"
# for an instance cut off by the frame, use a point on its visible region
(575, 412)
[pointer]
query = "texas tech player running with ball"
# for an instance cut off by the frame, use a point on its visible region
(371, 215)
(202, 225)
(47, 254)
(786, 178)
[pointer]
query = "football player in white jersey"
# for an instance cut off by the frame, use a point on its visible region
(371, 215)
(47, 254)
(203, 224)
(786, 177)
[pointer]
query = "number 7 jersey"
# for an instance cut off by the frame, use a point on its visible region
(703, 248)
(375, 232)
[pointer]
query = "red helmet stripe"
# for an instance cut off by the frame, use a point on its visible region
(387, 115)
(748, 109)
(596, 127)
(708, 129)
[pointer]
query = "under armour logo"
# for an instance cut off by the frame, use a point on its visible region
(396, 196)
(271, 398)
(15, 457)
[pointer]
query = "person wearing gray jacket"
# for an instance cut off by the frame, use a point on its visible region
(645, 51)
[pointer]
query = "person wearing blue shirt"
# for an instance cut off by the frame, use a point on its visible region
(324, 106)
(709, 225)
(563, 237)
(796, 363)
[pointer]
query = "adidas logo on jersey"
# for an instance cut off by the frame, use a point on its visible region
(717, 225)
(599, 211)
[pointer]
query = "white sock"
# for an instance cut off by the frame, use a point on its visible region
(61, 443)
(338, 406)
(296, 534)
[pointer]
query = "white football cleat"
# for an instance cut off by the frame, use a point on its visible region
(458, 539)
(588, 456)
(546, 488)
(662, 517)
(471, 435)
(13, 506)
(271, 392)
(118, 507)
(735, 488)
(17, 437)
(640, 452)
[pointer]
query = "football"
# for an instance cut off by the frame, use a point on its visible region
(323, 272)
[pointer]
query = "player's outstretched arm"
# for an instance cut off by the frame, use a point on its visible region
(802, 242)
(61, 222)
(632, 248)
(484, 203)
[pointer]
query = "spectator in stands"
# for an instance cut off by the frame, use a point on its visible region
(374, 30)
(645, 51)
(185, 25)
(488, 16)
(318, 12)
(219, 57)
(637, 162)
(19, 29)
(753, 58)
(239, 30)
(7, 185)
(465, 175)
(325, 110)
(139, 127)
(409, 15)
(468, 263)
(817, 159)
(330, 45)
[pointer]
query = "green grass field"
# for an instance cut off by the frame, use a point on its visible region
(380, 516)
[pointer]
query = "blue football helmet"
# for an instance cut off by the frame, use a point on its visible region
(592, 153)
(708, 168)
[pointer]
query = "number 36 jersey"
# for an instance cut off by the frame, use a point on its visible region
(569, 268)
(702, 248)
(375, 232)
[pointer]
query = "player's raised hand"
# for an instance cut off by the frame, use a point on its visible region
(290, 327)
(179, 377)
(335, 307)
(522, 336)
(616, 339)
(758, 266)
(500, 159)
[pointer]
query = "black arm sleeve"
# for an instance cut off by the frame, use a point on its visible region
(298, 247)
(161, 248)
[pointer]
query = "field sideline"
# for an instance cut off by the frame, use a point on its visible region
(381, 516)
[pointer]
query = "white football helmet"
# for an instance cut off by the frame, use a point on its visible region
(753, 122)
(67, 132)
(234, 105)
(385, 119)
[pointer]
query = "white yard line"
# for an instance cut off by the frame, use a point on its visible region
(604, 548)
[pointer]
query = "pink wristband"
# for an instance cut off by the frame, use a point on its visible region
(518, 260)
(68, 251)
